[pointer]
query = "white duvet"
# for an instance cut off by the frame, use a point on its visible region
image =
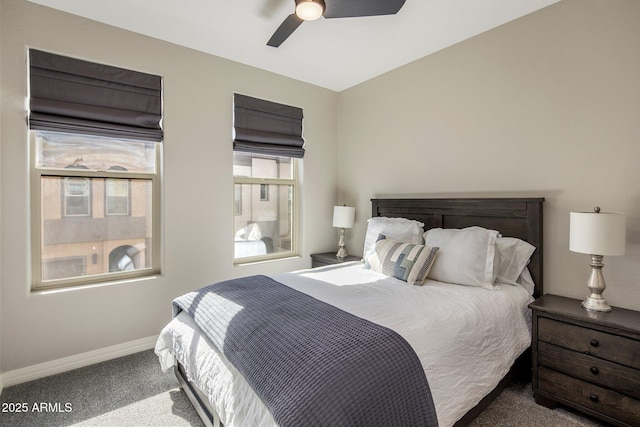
(467, 338)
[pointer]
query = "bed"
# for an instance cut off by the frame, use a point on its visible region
(471, 353)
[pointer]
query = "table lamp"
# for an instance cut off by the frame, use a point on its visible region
(343, 217)
(597, 234)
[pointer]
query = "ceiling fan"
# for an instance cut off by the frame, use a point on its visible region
(309, 10)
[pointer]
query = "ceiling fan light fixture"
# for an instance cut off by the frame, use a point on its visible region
(309, 10)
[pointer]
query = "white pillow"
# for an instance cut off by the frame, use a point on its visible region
(526, 281)
(512, 257)
(402, 229)
(466, 256)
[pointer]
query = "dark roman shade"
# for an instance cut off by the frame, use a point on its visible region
(265, 127)
(71, 95)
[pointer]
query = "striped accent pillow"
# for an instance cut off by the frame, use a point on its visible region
(405, 261)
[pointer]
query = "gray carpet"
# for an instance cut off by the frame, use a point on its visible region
(128, 391)
(515, 407)
(132, 391)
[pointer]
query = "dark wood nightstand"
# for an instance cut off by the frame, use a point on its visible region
(587, 360)
(329, 258)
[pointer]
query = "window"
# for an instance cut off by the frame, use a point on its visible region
(237, 199)
(117, 197)
(77, 197)
(267, 148)
(113, 233)
(264, 227)
(117, 194)
(95, 135)
(264, 192)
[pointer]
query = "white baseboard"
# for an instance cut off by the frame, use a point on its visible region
(45, 369)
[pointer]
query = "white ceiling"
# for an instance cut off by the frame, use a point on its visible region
(332, 53)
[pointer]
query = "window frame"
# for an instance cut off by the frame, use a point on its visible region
(293, 182)
(38, 173)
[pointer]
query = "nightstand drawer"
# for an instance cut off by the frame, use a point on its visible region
(624, 351)
(598, 399)
(589, 368)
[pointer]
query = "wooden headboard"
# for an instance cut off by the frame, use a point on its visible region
(512, 217)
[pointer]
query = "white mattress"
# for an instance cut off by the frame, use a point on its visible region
(466, 338)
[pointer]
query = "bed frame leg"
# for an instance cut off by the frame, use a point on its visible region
(208, 416)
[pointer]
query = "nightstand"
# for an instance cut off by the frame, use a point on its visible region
(587, 360)
(329, 258)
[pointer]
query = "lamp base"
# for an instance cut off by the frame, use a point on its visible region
(597, 285)
(342, 252)
(596, 302)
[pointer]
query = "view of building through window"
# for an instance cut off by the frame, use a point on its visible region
(264, 188)
(96, 205)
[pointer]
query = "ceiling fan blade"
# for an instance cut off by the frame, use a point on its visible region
(285, 29)
(354, 8)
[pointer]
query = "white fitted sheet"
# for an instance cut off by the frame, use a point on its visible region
(467, 338)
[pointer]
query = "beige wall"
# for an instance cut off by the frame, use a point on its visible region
(547, 105)
(543, 106)
(197, 209)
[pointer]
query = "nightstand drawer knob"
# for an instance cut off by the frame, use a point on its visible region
(595, 370)
(594, 343)
(594, 398)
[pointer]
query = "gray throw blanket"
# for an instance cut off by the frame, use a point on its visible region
(311, 363)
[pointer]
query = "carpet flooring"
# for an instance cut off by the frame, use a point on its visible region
(133, 391)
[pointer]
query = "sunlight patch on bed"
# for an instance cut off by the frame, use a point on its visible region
(342, 276)
(228, 309)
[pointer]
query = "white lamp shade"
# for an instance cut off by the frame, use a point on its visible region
(597, 233)
(309, 10)
(343, 216)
